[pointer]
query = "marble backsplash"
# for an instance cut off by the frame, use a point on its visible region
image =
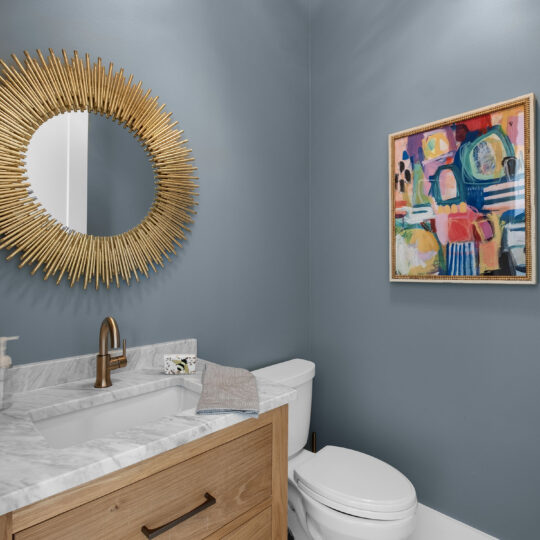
(26, 377)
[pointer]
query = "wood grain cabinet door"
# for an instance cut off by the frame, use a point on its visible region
(237, 474)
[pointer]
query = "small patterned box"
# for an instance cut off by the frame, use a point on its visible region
(180, 364)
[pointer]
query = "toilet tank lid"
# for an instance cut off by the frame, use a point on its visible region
(292, 373)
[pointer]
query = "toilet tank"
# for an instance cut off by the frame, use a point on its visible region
(298, 374)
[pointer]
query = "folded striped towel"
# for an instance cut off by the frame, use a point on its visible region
(226, 390)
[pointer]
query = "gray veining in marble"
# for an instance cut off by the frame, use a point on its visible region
(31, 470)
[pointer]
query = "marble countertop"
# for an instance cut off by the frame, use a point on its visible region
(31, 470)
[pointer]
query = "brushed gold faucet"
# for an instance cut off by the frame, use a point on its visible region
(104, 362)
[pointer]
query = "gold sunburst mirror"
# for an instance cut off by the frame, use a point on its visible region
(40, 88)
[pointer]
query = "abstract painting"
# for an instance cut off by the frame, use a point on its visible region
(462, 197)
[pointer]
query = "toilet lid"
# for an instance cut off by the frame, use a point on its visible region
(356, 484)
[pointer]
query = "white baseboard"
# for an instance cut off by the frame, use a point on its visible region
(434, 525)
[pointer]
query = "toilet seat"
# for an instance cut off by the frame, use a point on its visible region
(356, 484)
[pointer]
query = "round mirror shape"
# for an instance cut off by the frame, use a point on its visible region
(40, 88)
(90, 174)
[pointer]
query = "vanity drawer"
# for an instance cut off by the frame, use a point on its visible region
(257, 528)
(237, 474)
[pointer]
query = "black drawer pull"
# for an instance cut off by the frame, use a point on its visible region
(152, 533)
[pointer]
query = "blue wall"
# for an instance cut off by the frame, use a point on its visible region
(455, 406)
(235, 75)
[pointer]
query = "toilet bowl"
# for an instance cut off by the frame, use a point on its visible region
(338, 493)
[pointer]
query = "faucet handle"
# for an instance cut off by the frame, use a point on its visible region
(120, 361)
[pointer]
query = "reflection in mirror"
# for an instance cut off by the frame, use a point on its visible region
(56, 164)
(90, 174)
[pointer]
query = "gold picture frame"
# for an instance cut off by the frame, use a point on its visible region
(469, 191)
(35, 90)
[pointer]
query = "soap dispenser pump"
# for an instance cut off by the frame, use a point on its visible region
(5, 360)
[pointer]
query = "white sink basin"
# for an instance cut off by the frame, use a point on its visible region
(103, 420)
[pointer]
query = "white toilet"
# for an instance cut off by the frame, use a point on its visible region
(337, 493)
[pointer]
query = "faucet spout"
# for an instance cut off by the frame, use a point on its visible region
(109, 327)
(108, 332)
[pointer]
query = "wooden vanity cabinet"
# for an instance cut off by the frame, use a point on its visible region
(230, 485)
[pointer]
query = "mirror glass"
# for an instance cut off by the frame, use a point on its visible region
(90, 173)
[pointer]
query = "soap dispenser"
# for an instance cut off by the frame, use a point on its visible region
(5, 360)
(5, 363)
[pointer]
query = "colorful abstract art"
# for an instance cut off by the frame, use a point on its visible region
(462, 197)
